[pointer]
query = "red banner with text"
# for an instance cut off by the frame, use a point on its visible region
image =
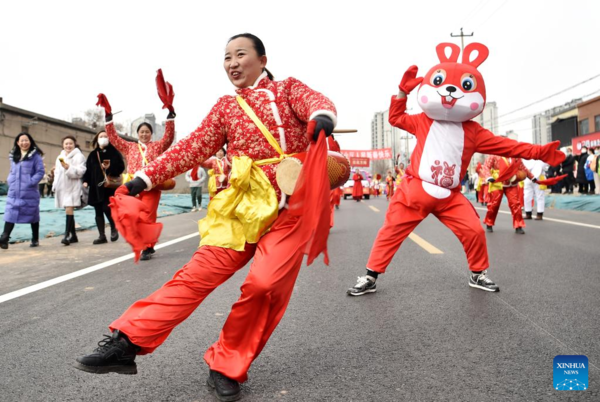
(359, 162)
(374, 154)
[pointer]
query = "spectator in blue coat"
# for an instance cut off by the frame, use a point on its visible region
(23, 200)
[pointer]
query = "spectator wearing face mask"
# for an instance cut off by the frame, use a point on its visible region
(103, 162)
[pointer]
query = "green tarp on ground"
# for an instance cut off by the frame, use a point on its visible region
(589, 203)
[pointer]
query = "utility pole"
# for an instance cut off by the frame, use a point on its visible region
(462, 40)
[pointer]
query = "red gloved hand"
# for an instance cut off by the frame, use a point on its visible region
(551, 155)
(410, 80)
(165, 93)
(103, 102)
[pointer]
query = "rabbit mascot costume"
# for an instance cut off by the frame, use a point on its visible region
(450, 95)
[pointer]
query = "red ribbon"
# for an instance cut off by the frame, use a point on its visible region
(165, 91)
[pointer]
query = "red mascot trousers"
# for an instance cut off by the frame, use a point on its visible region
(264, 299)
(409, 206)
(151, 199)
(494, 201)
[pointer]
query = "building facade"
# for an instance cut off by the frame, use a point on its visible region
(47, 132)
(158, 130)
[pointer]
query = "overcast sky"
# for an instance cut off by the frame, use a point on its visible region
(55, 57)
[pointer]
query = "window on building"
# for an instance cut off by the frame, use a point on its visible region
(584, 127)
(597, 123)
(25, 129)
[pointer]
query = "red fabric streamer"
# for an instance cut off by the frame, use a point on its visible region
(103, 102)
(194, 173)
(310, 201)
(509, 172)
(165, 91)
(132, 219)
(551, 181)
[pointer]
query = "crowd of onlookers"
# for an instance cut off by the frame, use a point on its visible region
(582, 172)
(74, 181)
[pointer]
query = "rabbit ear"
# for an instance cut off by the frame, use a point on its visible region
(446, 164)
(482, 54)
(441, 52)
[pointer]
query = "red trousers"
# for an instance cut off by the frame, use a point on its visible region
(334, 199)
(151, 199)
(264, 298)
(514, 203)
(409, 206)
(483, 193)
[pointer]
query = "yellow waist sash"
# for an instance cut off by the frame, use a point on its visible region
(495, 185)
(244, 211)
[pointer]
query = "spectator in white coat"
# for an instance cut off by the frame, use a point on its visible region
(68, 187)
(196, 178)
(533, 190)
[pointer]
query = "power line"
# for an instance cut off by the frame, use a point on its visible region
(475, 10)
(492, 14)
(550, 96)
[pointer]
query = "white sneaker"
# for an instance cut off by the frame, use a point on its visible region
(199, 209)
(194, 209)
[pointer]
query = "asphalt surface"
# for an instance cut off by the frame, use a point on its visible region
(424, 336)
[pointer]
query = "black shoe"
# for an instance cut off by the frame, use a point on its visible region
(4, 241)
(100, 240)
(146, 255)
(34, 243)
(337, 207)
(527, 215)
(489, 228)
(151, 250)
(363, 285)
(519, 231)
(65, 241)
(480, 280)
(114, 234)
(539, 216)
(73, 239)
(226, 389)
(114, 354)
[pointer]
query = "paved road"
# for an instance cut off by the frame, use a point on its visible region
(425, 335)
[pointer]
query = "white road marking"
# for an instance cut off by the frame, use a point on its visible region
(552, 220)
(43, 285)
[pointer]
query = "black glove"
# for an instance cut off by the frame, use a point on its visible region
(534, 180)
(136, 186)
(323, 123)
(171, 114)
(491, 180)
(108, 117)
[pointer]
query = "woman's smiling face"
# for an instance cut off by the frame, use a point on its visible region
(242, 63)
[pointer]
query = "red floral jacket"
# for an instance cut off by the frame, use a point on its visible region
(500, 163)
(131, 150)
(284, 107)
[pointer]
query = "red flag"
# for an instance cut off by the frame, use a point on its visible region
(132, 219)
(551, 181)
(310, 201)
(103, 102)
(165, 91)
(194, 173)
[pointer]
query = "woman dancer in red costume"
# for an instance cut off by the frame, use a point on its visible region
(141, 153)
(294, 115)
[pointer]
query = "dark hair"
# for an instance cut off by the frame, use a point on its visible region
(69, 137)
(16, 151)
(147, 125)
(95, 139)
(258, 46)
(224, 151)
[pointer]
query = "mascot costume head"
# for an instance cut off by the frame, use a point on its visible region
(454, 91)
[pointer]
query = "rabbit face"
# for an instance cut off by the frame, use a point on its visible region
(453, 91)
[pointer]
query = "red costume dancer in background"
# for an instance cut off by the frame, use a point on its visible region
(335, 195)
(265, 122)
(482, 185)
(451, 94)
(219, 169)
(357, 189)
(390, 185)
(141, 153)
(494, 168)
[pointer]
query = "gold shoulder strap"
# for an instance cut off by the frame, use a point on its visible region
(259, 124)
